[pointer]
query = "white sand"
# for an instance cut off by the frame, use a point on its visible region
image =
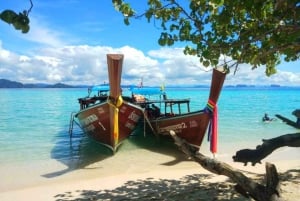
(159, 176)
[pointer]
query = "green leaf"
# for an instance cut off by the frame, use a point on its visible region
(126, 20)
(8, 16)
(206, 63)
(19, 21)
(25, 29)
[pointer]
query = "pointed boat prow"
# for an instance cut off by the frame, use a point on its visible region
(111, 120)
(115, 62)
(217, 82)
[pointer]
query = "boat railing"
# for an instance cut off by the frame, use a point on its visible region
(166, 105)
(88, 101)
(71, 124)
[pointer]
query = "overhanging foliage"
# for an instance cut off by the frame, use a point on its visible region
(19, 21)
(253, 32)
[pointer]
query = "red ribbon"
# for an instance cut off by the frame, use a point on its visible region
(214, 126)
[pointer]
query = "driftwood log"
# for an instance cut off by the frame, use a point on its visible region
(295, 124)
(268, 146)
(296, 113)
(245, 186)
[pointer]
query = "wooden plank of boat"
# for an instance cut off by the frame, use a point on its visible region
(288, 121)
(94, 122)
(193, 125)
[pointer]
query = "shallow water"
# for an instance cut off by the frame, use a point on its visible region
(35, 142)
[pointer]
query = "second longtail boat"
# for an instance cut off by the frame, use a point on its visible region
(190, 126)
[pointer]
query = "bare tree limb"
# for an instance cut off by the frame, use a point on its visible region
(256, 155)
(245, 185)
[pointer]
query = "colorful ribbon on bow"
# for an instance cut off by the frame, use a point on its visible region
(116, 106)
(213, 129)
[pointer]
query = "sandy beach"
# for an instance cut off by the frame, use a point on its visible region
(157, 177)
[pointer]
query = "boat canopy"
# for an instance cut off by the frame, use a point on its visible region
(100, 88)
(147, 91)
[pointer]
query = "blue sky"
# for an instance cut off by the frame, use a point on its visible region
(69, 39)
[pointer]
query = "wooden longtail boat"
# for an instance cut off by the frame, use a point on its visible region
(190, 126)
(109, 119)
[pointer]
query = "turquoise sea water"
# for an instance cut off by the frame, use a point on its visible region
(34, 125)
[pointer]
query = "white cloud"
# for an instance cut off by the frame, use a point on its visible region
(43, 34)
(286, 77)
(87, 65)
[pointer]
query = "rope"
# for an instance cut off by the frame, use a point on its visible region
(149, 123)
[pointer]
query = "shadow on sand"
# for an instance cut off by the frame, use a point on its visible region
(191, 187)
(165, 146)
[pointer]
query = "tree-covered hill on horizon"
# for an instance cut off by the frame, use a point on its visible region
(4, 83)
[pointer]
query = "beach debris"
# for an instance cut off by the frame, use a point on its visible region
(262, 151)
(245, 156)
(296, 113)
(289, 122)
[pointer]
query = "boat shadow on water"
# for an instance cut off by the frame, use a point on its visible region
(79, 151)
(76, 152)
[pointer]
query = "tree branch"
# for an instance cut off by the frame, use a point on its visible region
(256, 155)
(31, 6)
(245, 185)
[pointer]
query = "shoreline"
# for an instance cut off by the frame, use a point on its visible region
(151, 178)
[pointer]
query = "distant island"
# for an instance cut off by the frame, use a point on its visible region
(4, 83)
